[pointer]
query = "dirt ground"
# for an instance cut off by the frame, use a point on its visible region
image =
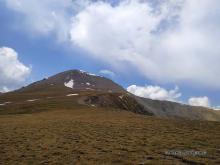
(104, 137)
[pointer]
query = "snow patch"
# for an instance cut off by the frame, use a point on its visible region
(7, 102)
(88, 83)
(121, 97)
(74, 94)
(32, 100)
(82, 71)
(69, 84)
(2, 104)
(91, 74)
(89, 89)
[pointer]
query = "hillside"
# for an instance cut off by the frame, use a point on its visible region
(167, 109)
(70, 89)
(105, 136)
(74, 88)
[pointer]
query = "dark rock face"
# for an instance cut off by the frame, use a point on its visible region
(118, 101)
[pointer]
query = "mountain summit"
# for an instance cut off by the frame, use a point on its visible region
(77, 80)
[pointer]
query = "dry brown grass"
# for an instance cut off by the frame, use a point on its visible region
(97, 136)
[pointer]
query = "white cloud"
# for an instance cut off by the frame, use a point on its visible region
(155, 92)
(167, 41)
(107, 72)
(4, 89)
(172, 41)
(199, 101)
(217, 108)
(159, 93)
(47, 16)
(12, 72)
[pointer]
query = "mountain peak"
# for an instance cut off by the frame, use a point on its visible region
(76, 71)
(76, 80)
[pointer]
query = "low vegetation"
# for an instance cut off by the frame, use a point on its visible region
(105, 136)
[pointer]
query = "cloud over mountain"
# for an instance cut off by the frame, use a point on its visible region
(199, 101)
(12, 72)
(155, 92)
(165, 41)
(107, 72)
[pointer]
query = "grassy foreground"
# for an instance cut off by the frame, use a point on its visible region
(98, 136)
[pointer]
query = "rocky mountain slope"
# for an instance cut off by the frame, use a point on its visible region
(74, 80)
(73, 89)
(167, 109)
(70, 89)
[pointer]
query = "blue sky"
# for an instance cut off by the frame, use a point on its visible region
(120, 38)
